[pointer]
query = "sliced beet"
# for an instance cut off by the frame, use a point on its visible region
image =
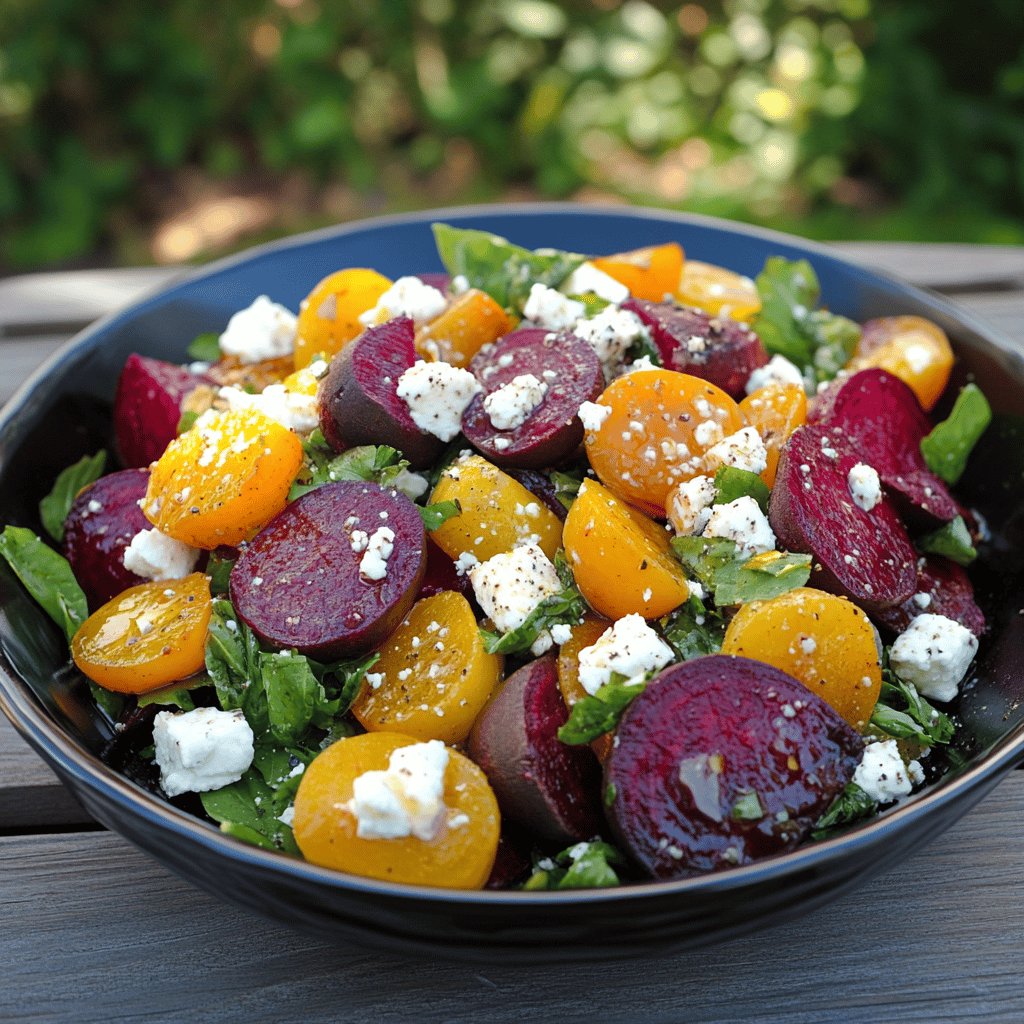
(298, 583)
(148, 407)
(512, 863)
(714, 348)
(541, 784)
(720, 761)
(865, 555)
(570, 369)
(101, 523)
(441, 575)
(883, 419)
(540, 485)
(948, 592)
(358, 397)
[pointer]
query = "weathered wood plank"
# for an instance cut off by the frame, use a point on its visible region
(911, 947)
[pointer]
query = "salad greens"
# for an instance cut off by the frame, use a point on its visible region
(732, 483)
(205, 348)
(583, 866)
(947, 448)
(952, 541)
(596, 714)
(54, 508)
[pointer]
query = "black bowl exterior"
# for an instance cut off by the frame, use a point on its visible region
(63, 412)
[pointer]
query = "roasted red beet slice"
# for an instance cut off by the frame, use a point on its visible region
(147, 407)
(720, 761)
(572, 372)
(101, 523)
(358, 398)
(883, 420)
(512, 863)
(714, 348)
(540, 783)
(298, 583)
(949, 592)
(865, 555)
(441, 575)
(540, 485)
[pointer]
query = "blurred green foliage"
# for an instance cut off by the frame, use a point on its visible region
(831, 116)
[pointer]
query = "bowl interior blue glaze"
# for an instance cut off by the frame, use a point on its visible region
(64, 412)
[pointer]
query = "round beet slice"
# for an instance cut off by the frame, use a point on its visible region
(358, 397)
(714, 348)
(943, 588)
(147, 407)
(570, 369)
(102, 520)
(883, 420)
(298, 584)
(720, 761)
(865, 555)
(541, 784)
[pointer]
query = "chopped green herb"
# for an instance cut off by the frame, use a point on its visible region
(732, 483)
(610, 793)
(947, 448)
(901, 712)
(187, 421)
(567, 486)
(380, 464)
(54, 508)
(592, 303)
(440, 512)
(693, 629)
(205, 348)
(593, 716)
(748, 808)
(952, 540)
(852, 805)
(643, 347)
(583, 866)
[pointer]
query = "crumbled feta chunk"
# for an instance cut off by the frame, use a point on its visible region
(513, 403)
(629, 648)
(708, 433)
(778, 370)
(923, 600)
(201, 750)
(592, 415)
(437, 395)
(742, 521)
(934, 653)
(561, 633)
(374, 563)
(610, 334)
(882, 773)
(406, 798)
(459, 284)
(643, 363)
(551, 309)
(743, 450)
(295, 411)
(412, 485)
(865, 487)
(465, 562)
(263, 330)
(689, 505)
(155, 556)
(587, 278)
(408, 296)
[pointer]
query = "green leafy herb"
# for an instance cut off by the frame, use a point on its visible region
(54, 508)
(705, 557)
(947, 448)
(380, 464)
(693, 629)
(233, 664)
(748, 808)
(583, 866)
(852, 805)
(593, 716)
(177, 697)
(901, 712)
(205, 348)
(496, 266)
(642, 347)
(294, 694)
(592, 303)
(732, 483)
(247, 810)
(218, 568)
(187, 421)
(567, 486)
(440, 512)
(46, 576)
(110, 703)
(343, 680)
(952, 540)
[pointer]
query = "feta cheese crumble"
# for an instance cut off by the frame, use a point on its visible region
(551, 309)
(155, 556)
(865, 487)
(934, 653)
(587, 278)
(610, 334)
(201, 750)
(742, 521)
(743, 450)
(379, 547)
(689, 505)
(263, 330)
(406, 798)
(592, 415)
(294, 411)
(437, 395)
(629, 648)
(513, 403)
(408, 296)
(882, 773)
(778, 370)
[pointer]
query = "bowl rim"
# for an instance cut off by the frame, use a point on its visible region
(71, 761)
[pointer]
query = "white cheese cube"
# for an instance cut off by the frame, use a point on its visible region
(295, 411)
(263, 330)
(513, 403)
(551, 309)
(742, 450)
(155, 556)
(437, 395)
(934, 653)
(379, 547)
(689, 505)
(629, 648)
(587, 278)
(882, 773)
(610, 334)
(201, 750)
(742, 521)
(410, 297)
(778, 370)
(865, 486)
(509, 586)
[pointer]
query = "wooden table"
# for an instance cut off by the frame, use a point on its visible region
(92, 930)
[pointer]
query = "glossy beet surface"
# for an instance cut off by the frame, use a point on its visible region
(65, 413)
(942, 588)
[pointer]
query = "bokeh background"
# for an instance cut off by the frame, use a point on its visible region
(135, 132)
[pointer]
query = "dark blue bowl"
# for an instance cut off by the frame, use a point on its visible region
(64, 411)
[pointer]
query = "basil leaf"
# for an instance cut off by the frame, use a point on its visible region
(947, 448)
(903, 713)
(47, 576)
(596, 714)
(567, 486)
(583, 866)
(54, 508)
(503, 270)
(205, 348)
(852, 805)
(246, 810)
(440, 512)
(732, 483)
(952, 540)
(692, 630)
(761, 577)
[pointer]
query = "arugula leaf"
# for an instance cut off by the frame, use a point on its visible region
(732, 483)
(205, 348)
(218, 568)
(952, 540)
(583, 866)
(246, 809)
(567, 486)
(47, 576)
(440, 512)
(234, 665)
(852, 805)
(692, 630)
(914, 718)
(947, 448)
(504, 270)
(54, 508)
(294, 695)
(593, 716)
